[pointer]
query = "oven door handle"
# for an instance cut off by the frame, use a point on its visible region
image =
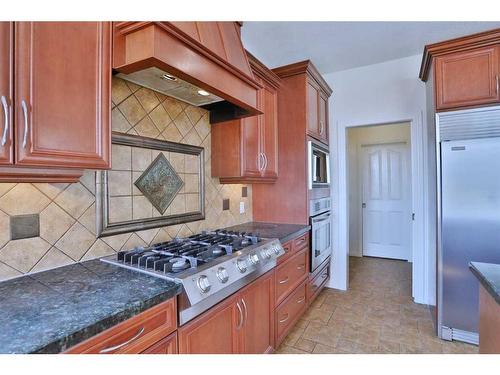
(321, 218)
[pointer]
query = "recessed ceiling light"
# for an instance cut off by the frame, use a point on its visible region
(169, 77)
(203, 93)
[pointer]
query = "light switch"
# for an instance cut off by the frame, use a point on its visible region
(242, 207)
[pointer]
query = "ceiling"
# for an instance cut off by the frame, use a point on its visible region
(335, 46)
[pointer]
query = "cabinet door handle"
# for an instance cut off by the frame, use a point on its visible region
(116, 347)
(265, 161)
(285, 280)
(25, 114)
(299, 301)
(6, 122)
(246, 310)
(240, 323)
(284, 319)
(261, 162)
(498, 84)
(321, 128)
(301, 266)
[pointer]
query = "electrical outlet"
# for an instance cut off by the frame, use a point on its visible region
(242, 207)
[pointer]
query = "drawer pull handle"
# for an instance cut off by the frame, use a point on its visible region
(240, 324)
(6, 123)
(116, 347)
(299, 301)
(301, 267)
(284, 280)
(284, 319)
(25, 115)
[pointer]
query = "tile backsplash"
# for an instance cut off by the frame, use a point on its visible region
(67, 211)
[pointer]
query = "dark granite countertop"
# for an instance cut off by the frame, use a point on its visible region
(50, 311)
(489, 276)
(284, 232)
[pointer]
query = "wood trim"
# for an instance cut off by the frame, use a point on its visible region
(124, 28)
(263, 71)
(302, 67)
(28, 174)
(463, 43)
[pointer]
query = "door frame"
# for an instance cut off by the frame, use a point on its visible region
(422, 286)
(361, 186)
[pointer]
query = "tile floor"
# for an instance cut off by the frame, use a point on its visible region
(376, 315)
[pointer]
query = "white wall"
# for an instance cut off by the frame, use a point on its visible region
(356, 137)
(383, 93)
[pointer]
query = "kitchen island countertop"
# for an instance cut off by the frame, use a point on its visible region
(51, 311)
(283, 232)
(488, 275)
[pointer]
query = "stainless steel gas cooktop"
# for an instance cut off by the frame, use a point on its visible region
(210, 265)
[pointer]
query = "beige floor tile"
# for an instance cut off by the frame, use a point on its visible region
(376, 315)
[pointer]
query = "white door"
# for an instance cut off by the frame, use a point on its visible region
(386, 201)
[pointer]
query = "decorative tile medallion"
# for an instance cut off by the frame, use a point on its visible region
(160, 183)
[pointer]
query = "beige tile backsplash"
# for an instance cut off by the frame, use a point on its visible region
(67, 211)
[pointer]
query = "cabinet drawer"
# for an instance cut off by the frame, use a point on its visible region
(318, 281)
(135, 334)
(288, 247)
(290, 274)
(301, 242)
(289, 311)
(166, 346)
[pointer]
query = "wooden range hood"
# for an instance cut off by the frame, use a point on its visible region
(207, 56)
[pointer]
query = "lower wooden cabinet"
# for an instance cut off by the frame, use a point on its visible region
(166, 346)
(243, 323)
(289, 311)
(134, 335)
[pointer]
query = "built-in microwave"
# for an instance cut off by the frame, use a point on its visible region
(318, 166)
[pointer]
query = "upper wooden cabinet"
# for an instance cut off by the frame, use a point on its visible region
(317, 109)
(62, 102)
(6, 91)
(466, 70)
(246, 150)
(468, 78)
(243, 323)
(57, 98)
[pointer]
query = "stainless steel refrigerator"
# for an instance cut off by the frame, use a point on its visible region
(468, 160)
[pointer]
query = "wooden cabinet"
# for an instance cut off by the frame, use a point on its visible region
(489, 323)
(166, 346)
(288, 312)
(214, 332)
(136, 335)
(6, 90)
(303, 116)
(246, 150)
(468, 78)
(243, 323)
(59, 115)
(62, 85)
(317, 111)
(462, 72)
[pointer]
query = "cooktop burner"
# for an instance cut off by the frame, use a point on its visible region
(182, 253)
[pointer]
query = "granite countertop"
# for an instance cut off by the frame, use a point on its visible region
(50, 311)
(284, 232)
(489, 276)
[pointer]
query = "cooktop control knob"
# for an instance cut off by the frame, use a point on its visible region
(242, 265)
(203, 283)
(267, 253)
(276, 249)
(253, 258)
(222, 275)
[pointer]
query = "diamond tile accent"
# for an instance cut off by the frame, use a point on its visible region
(23, 199)
(160, 183)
